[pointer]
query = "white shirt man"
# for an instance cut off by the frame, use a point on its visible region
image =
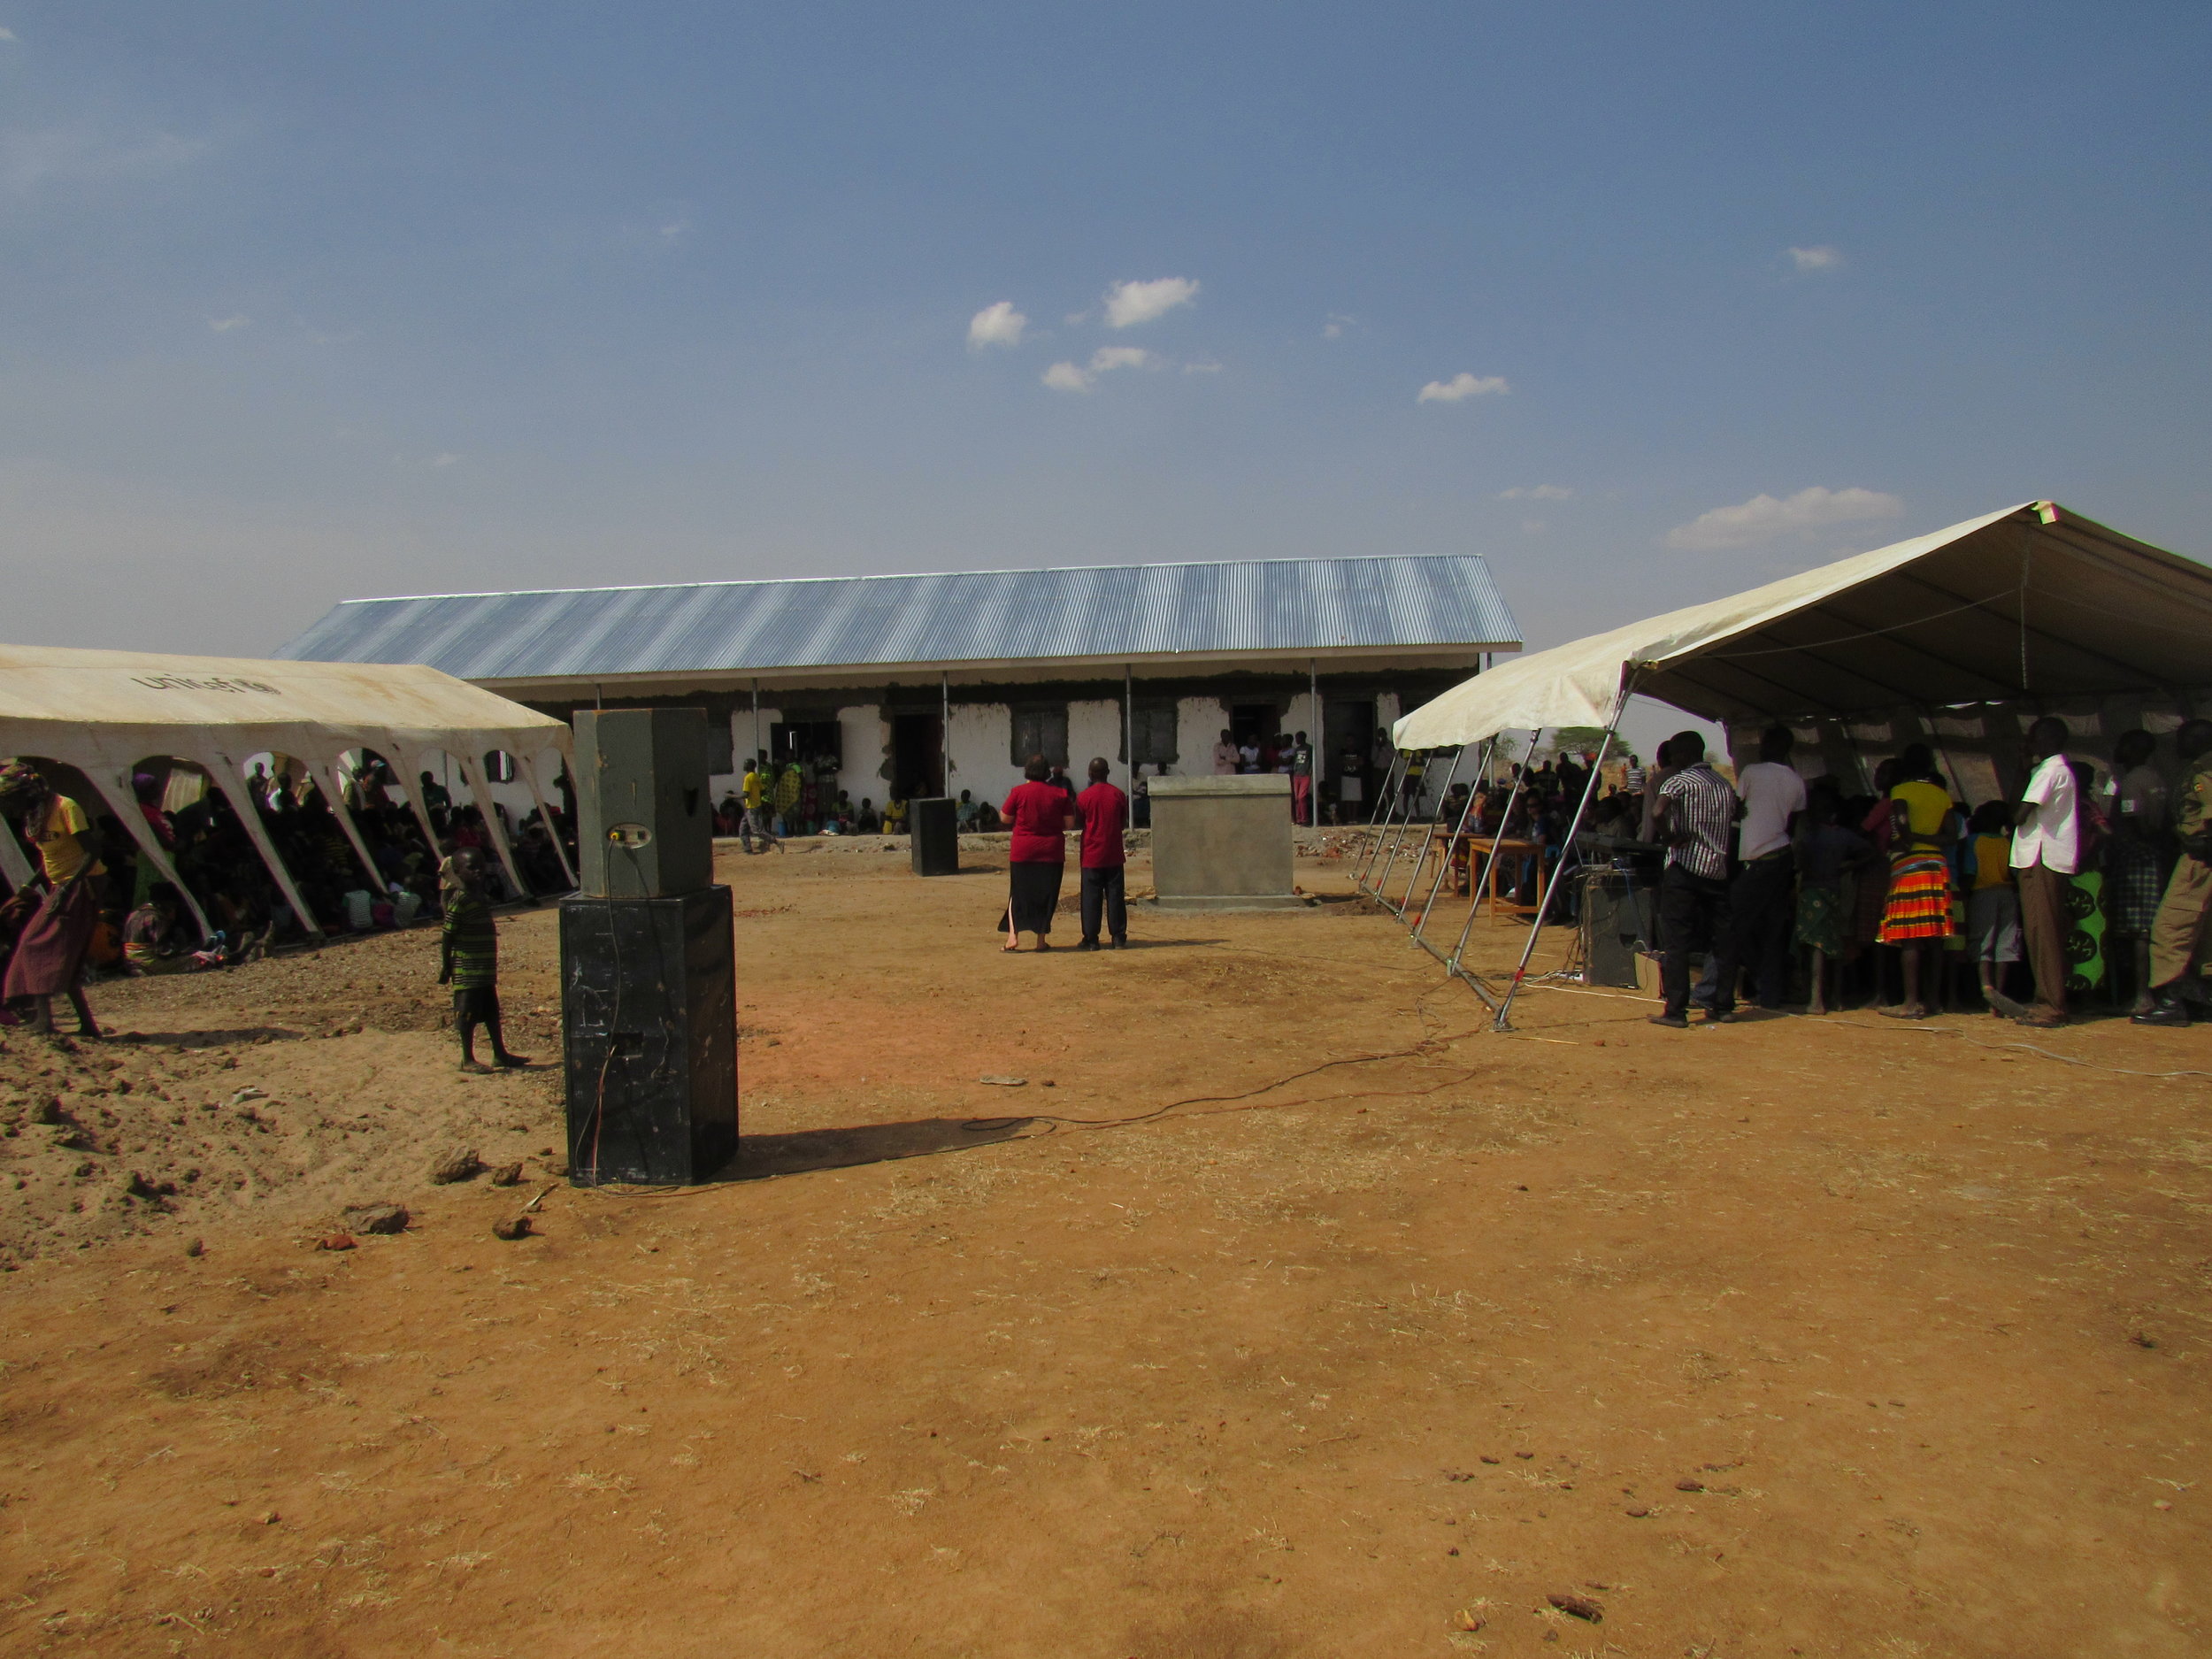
(1772, 793)
(2048, 836)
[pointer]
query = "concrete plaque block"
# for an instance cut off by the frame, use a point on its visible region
(1222, 843)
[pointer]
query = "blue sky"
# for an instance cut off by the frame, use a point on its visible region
(311, 303)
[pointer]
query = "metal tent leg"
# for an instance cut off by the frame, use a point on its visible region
(1480, 884)
(1566, 845)
(1374, 850)
(1428, 829)
(1444, 865)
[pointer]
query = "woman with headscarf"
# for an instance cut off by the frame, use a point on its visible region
(49, 954)
(1036, 813)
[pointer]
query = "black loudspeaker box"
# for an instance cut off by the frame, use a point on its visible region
(648, 1002)
(934, 824)
(644, 827)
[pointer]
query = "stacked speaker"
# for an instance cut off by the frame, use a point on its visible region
(648, 993)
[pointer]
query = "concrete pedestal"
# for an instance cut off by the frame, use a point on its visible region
(1222, 843)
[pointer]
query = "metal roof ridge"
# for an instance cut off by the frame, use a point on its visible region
(902, 576)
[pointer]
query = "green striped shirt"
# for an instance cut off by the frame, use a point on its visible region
(472, 942)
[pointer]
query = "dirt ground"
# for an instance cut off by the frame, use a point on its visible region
(1794, 1336)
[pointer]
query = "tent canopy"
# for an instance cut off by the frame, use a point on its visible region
(2031, 603)
(105, 712)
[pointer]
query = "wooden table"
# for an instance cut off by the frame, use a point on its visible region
(1510, 849)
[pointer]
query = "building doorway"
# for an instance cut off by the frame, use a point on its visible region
(1351, 735)
(918, 755)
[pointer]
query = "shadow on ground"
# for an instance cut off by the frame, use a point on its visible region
(760, 1157)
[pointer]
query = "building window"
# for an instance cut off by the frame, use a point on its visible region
(499, 767)
(1040, 728)
(1152, 735)
(807, 740)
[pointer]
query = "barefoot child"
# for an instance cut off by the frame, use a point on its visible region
(468, 959)
(1992, 905)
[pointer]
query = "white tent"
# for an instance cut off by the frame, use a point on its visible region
(107, 713)
(2032, 605)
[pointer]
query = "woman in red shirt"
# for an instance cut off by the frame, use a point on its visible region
(1036, 813)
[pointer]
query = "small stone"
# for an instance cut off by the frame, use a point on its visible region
(518, 1228)
(460, 1164)
(557, 1166)
(269, 1518)
(1489, 1460)
(335, 1242)
(1005, 1082)
(386, 1218)
(193, 1247)
(507, 1175)
(2162, 1503)
(1689, 1486)
(1579, 1606)
(1638, 1515)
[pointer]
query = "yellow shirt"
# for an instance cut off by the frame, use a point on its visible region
(1927, 805)
(752, 789)
(58, 849)
(1992, 861)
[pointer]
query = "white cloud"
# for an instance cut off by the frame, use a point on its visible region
(1821, 258)
(999, 325)
(1461, 387)
(1334, 329)
(1110, 357)
(1065, 377)
(1129, 304)
(675, 230)
(1765, 518)
(7, 34)
(445, 457)
(224, 324)
(1539, 492)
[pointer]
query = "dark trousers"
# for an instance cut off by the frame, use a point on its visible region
(2045, 923)
(1761, 910)
(1104, 887)
(1692, 910)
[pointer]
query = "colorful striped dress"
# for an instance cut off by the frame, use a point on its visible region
(1919, 904)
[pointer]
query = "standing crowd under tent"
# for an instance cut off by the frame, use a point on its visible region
(2048, 678)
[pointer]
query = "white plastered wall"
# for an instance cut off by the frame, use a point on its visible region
(980, 742)
(864, 741)
(1199, 722)
(1094, 728)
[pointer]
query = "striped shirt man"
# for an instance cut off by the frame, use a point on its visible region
(1704, 811)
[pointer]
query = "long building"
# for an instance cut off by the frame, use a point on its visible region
(917, 684)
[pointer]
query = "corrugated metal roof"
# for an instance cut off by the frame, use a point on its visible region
(1110, 612)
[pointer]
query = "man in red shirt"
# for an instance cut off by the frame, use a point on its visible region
(1104, 811)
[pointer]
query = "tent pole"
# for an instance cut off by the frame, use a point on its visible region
(755, 755)
(149, 843)
(1566, 847)
(1316, 747)
(13, 864)
(1458, 830)
(344, 815)
(1374, 847)
(422, 814)
(1382, 828)
(472, 772)
(1480, 884)
(224, 772)
(1428, 830)
(944, 729)
(1382, 882)
(545, 815)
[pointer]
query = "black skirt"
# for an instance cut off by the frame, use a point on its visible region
(1034, 893)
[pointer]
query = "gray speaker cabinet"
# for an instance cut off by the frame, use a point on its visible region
(644, 827)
